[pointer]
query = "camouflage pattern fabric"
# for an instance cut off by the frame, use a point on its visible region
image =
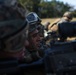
(7, 13)
(12, 29)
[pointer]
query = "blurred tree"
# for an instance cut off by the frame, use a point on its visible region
(31, 5)
(46, 8)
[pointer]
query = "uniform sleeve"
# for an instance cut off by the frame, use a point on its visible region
(53, 23)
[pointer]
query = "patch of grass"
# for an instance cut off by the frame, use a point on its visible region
(52, 20)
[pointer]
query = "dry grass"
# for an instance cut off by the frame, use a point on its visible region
(52, 20)
(48, 20)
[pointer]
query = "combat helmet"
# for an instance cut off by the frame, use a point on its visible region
(12, 28)
(68, 14)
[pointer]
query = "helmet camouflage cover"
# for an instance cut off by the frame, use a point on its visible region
(12, 28)
(68, 14)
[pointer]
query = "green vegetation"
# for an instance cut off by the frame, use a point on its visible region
(47, 9)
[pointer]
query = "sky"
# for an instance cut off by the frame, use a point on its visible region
(71, 2)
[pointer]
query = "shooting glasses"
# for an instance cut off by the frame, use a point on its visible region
(32, 18)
